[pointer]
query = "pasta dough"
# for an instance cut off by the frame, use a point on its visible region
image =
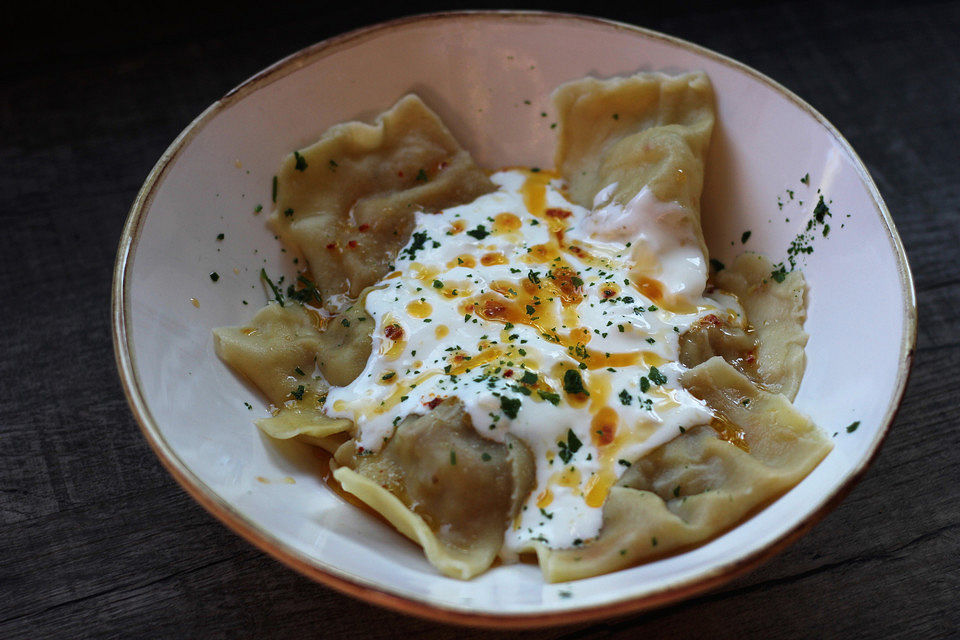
(625, 143)
(347, 202)
(596, 420)
(701, 483)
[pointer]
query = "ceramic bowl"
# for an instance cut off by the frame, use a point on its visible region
(489, 76)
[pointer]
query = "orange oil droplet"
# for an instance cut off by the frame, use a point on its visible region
(505, 223)
(598, 384)
(654, 290)
(534, 191)
(542, 254)
(463, 260)
(442, 331)
(603, 427)
(728, 431)
(195, 302)
(545, 498)
(598, 486)
(581, 335)
(489, 259)
(609, 290)
(460, 363)
(419, 309)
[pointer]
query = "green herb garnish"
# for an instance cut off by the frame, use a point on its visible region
(656, 377)
(573, 383)
(570, 447)
(479, 233)
(301, 162)
(510, 406)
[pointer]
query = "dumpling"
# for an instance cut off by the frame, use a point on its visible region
(777, 311)
(443, 485)
(702, 482)
(633, 149)
(347, 202)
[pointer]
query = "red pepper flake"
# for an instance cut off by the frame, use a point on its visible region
(352, 244)
(443, 165)
(558, 213)
(493, 308)
(433, 403)
(363, 227)
(393, 331)
(508, 373)
(399, 174)
(605, 434)
(711, 320)
(332, 246)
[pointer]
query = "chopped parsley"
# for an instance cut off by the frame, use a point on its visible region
(625, 397)
(656, 377)
(479, 233)
(298, 393)
(308, 293)
(853, 426)
(570, 447)
(277, 293)
(573, 383)
(214, 276)
(802, 244)
(419, 239)
(779, 274)
(552, 398)
(510, 406)
(301, 162)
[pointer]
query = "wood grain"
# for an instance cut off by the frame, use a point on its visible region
(96, 540)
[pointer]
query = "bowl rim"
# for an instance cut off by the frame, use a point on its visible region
(360, 587)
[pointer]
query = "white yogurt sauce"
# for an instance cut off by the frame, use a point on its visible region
(536, 314)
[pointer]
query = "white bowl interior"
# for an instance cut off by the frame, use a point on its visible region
(477, 72)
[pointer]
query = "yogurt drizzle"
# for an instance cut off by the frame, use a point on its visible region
(536, 314)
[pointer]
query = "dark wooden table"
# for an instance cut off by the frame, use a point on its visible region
(96, 539)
